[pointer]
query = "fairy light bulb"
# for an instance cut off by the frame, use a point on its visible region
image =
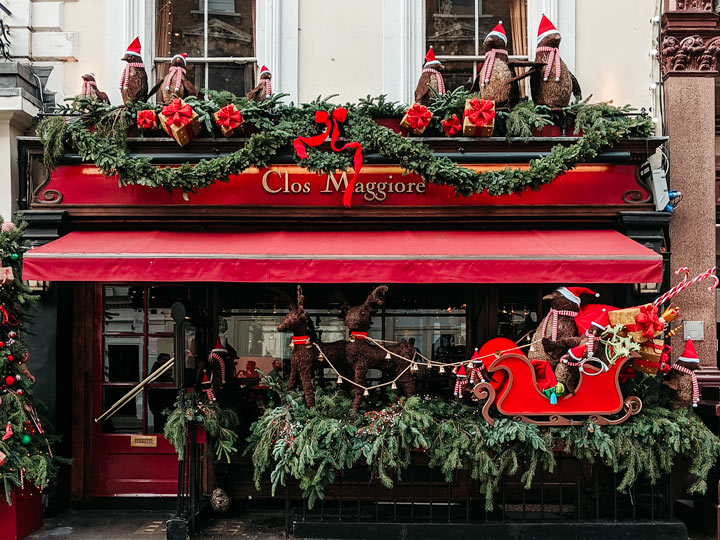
(414, 367)
(339, 380)
(366, 393)
(388, 356)
(393, 386)
(442, 369)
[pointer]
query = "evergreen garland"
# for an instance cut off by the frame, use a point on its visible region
(220, 425)
(314, 445)
(98, 136)
(26, 452)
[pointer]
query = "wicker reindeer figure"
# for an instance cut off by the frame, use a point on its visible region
(364, 355)
(305, 355)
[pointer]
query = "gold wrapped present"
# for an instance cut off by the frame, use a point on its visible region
(180, 121)
(640, 322)
(478, 118)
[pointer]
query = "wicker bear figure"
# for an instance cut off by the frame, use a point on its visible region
(305, 355)
(263, 90)
(364, 355)
(90, 89)
(682, 379)
(431, 80)
(495, 79)
(553, 85)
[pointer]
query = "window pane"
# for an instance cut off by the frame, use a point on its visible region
(180, 27)
(517, 311)
(253, 342)
(159, 400)
(129, 418)
(238, 78)
(230, 28)
(451, 26)
(122, 359)
(159, 305)
(123, 308)
(440, 337)
(160, 350)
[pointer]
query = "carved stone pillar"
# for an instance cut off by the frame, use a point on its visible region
(689, 49)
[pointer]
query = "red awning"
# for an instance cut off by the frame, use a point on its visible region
(346, 257)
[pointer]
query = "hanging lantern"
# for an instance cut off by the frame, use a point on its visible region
(388, 356)
(339, 380)
(393, 386)
(442, 369)
(366, 393)
(414, 367)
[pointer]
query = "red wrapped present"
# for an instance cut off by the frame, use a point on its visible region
(416, 119)
(452, 126)
(652, 355)
(147, 119)
(478, 118)
(229, 120)
(180, 121)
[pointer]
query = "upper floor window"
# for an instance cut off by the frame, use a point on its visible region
(457, 28)
(218, 37)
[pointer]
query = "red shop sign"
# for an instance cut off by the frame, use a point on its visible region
(586, 185)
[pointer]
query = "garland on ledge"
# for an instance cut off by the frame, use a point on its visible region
(98, 133)
(220, 425)
(26, 456)
(315, 445)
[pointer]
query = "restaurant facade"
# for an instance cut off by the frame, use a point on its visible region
(131, 276)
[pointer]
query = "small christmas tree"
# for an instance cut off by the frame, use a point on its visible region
(25, 453)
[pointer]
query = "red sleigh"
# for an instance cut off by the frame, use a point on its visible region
(515, 393)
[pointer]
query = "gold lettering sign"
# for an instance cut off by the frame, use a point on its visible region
(143, 441)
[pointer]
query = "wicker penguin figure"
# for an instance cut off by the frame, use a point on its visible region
(175, 83)
(90, 89)
(134, 81)
(682, 379)
(263, 90)
(553, 85)
(430, 78)
(495, 80)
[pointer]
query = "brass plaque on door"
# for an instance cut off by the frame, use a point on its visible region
(144, 441)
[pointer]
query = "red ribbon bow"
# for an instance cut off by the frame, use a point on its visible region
(627, 373)
(229, 117)
(331, 122)
(646, 322)
(146, 119)
(452, 125)
(177, 113)
(6, 317)
(483, 112)
(418, 116)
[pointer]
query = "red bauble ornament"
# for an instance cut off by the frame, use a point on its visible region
(2, 343)
(9, 380)
(10, 358)
(20, 392)
(12, 334)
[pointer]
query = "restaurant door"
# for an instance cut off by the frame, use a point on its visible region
(130, 455)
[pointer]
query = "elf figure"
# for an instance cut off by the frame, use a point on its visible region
(206, 385)
(461, 382)
(263, 90)
(553, 85)
(134, 81)
(682, 379)
(175, 83)
(430, 78)
(90, 89)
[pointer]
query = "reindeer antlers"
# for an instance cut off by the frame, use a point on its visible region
(300, 298)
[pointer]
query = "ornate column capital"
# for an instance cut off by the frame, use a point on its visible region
(690, 40)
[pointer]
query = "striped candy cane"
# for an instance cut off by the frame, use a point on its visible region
(686, 282)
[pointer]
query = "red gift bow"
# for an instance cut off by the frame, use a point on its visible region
(229, 117)
(452, 126)
(483, 112)
(418, 116)
(646, 322)
(331, 122)
(6, 317)
(177, 113)
(627, 373)
(146, 119)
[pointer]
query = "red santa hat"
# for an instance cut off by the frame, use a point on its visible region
(689, 354)
(265, 71)
(577, 353)
(180, 55)
(476, 359)
(134, 47)
(498, 31)
(430, 59)
(218, 346)
(545, 29)
(573, 293)
(593, 315)
(461, 371)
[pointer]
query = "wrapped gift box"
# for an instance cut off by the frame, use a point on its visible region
(478, 118)
(650, 357)
(180, 121)
(229, 120)
(628, 318)
(6, 275)
(147, 119)
(416, 119)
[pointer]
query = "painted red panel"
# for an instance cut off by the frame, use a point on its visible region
(122, 470)
(586, 185)
(602, 256)
(24, 516)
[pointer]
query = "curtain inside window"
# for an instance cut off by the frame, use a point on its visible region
(518, 23)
